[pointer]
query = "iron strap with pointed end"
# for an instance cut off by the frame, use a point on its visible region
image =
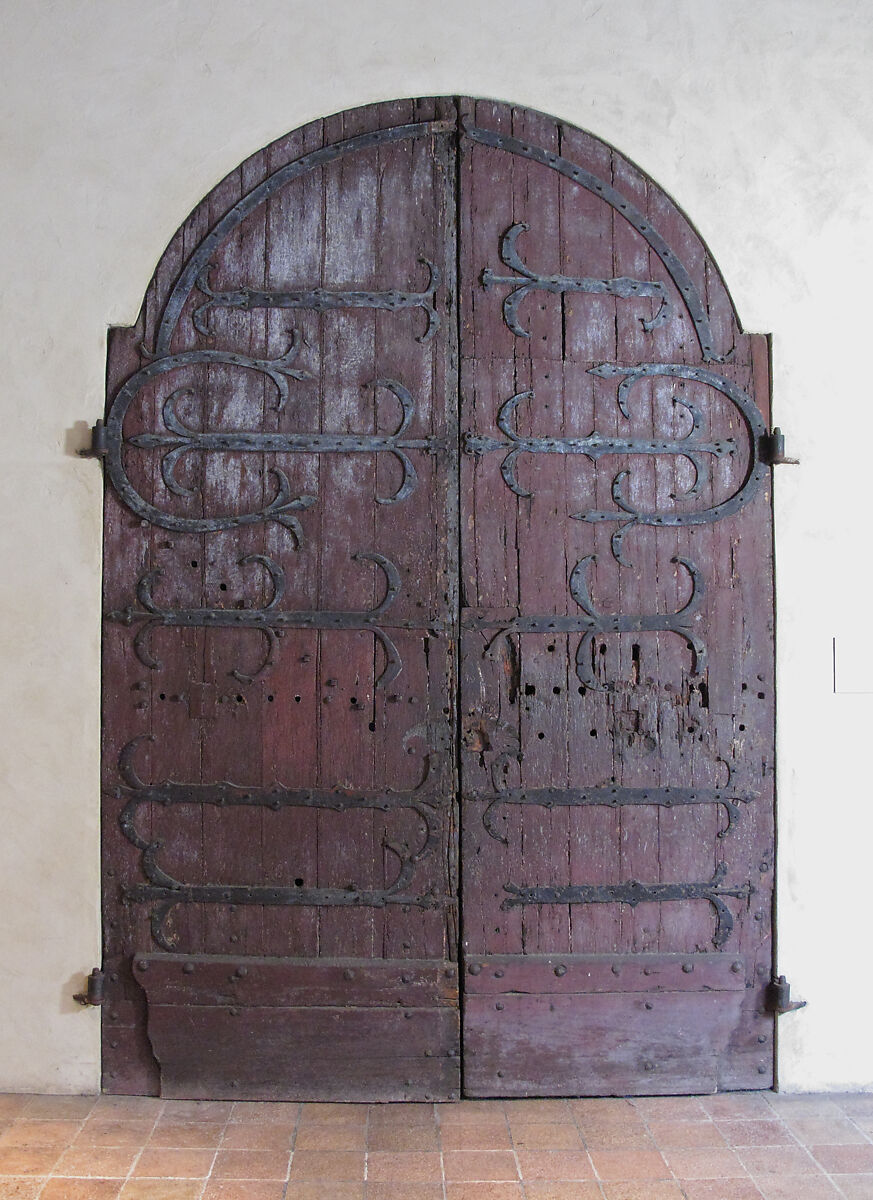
(315, 159)
(165, 892)
(595, 623)
(266, 620)
(320, 299)
(610, 797)
(530, 281)
(594, 446)
(634, 893)
(605, 191)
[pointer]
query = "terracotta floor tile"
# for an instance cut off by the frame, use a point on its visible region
(826, 1131)
(649, 1189)
(484, 1191)
(128, 1108)
(40, 1133)
(333, 1114)
(537, 1111)
(331, 1137)
(471, 1112)
(401, 1114)
(479, 1137)
(464, 1166)
(631, 1135)
(629, 1164)
(331, 1164)
(852, 1103)
(755, 1133)
(186, 1111)
(603, 1108)
(20, 1189)
(777, 1160)
(12, 1105)
(59, 1188)
(253, 1164)
(855, 1187)
(817, 1105)
(404, 1166)
(28, 1160)
(247, 1189)
(669, 1108)
(844, 1160)
(55, 1108)
(114, 1133)
(554, 1164)
(737, 1106)
(192, 1136)
(553, 1189)
(546, 1137)
(704, 1164)
(267, 1112)
(686, 1135)
(88, 1160)
(164, 1163)
(416, 1137)
(312, 1190)
(720, 1189)
(402, 1191)
(161, 1189)
(799, 1187)
(251, 1135)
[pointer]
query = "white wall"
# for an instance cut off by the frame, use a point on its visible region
(118, 115)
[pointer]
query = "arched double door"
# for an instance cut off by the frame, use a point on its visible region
(438, 679)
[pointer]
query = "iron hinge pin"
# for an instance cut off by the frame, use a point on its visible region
(779, 997)
(94, 994)
(98, 447)
(773, 451)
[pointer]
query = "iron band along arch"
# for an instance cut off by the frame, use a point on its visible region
(438, 676)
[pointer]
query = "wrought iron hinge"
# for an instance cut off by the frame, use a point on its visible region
(93, 995)
(779, 997)
(773, 449)
(98, 447)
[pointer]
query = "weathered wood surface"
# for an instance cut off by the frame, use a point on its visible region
(352, 1054)
(315, 717)
(652, 720)
(475, 548)
(604, 1044)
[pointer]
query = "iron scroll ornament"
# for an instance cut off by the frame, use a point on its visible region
(594, 623)
(595, 445)
(267, 620)
(318, 299)
(609, 796)
(164, 892)
(620, 203)
(180, 440)
(529, 281)
(634, 893)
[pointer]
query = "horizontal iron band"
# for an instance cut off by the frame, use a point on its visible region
(314, 897)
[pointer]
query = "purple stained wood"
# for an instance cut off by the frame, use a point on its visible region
(441, 698)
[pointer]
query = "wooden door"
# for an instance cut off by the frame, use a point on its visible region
(280, 590)
(427, 379)
(616, 668)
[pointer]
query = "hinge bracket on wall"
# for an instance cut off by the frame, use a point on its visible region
(93, 995)
(779, 997)
(773, 449)
(98, 447)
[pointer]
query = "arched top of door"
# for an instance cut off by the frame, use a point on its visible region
(679, 270)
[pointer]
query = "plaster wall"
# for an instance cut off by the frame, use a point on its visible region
(116, 116)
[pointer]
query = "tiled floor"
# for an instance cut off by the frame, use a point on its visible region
(729, 1147)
